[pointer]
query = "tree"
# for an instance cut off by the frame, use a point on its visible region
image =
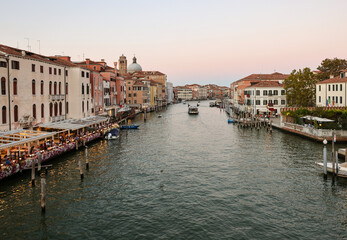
(331, 67)
(301, 88)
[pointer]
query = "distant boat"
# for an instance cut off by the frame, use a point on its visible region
(112, 134)
(193, 110)
(184, 102)
(232, 120)
(159, 116)
(129, 126)
(212, 104)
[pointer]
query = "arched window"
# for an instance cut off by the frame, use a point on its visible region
(87, 88)
(33, 86)
(34, 111)
(51, 109)
(15, 86)
(55, 88)
(87, 106)
(42, 110)
(42, 85)
(50, 88)
(66, 88)
(3, 115)
(82, 106)
(15, 113)
(3, 86)
(55, 109)
(59, 88)
(82, 88)
(60, 108)
(67, 107)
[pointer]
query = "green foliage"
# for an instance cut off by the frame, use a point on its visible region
(331, 67)
(301, 88)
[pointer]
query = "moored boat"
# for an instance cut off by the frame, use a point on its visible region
(112, 134)
(232, 120)
(129, 126)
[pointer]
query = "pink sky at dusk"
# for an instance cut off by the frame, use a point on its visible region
(191, 41)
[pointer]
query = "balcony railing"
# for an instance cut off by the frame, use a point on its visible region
(56, 97)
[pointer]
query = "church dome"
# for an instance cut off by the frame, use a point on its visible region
(134, 67)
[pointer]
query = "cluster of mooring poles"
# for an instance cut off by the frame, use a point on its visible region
(248, 120)
(335, 162)
(44, 174)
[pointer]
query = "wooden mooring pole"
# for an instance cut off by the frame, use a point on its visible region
(33, 173)
(325, 162)
(87, 161)
(333, 157)
(80, 167)
(43, 194)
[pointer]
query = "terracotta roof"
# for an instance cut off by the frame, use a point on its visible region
(343, 70)
(273, 76)
(333, 80)
(266, 84)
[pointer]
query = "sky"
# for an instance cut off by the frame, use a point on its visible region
(191, 41)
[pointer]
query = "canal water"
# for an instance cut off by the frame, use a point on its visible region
(182, 177)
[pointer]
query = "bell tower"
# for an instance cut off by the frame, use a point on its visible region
(123, 69)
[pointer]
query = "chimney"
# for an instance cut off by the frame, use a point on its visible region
(23, 53)
(87, 60)
(115, 65)
(66, 58)
(331, 75)
(102, 60)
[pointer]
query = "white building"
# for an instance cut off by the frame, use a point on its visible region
(184, 93)
(265, 97)
(169, 92)
(38, 89)
(332, 92)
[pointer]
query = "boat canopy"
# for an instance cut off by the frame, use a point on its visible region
(318, 119)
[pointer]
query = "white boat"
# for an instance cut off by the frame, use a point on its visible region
(193, 110)
(342, 168)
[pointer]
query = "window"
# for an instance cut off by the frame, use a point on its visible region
(341, 100)
(3, 64)
(33, 87)
(82, 73)
(67, 107)
(135, 101)
(337, 87)
(319, 99)
(134, 94)
(50, 70)
(264, 92)
(42, 85)
(41, 69)
(129, 101)
(59, 71)
(264, 102)
(340, 87)
(270, 92)
(275, 102)
(275, 92)
(42, 110)
(328, 87)
(15, 64)
(283, 102)
(60, 108)
(55, 88)
(333, 87)
(319, 88)
(87, 89)
(87, 106)
(94, 68)
(3, 111)
(333, 99)
(283, 92)
(55, 71)
(130, 88)
(66, 88)
(270, 101)
(15, 113)
(82, 106)
(59, 88)
(66, 73)
(82, 88)
(3, 86)
(257, 92)
(51, 109)
(50, 87)
(336, 99)
(15, 86)
(257, 102)
(33, 67)
(129, 95)
(34, 111)
(56, 109)
(87, 74)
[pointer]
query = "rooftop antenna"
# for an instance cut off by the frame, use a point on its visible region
(28, 39)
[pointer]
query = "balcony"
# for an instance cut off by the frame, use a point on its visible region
(56, 97)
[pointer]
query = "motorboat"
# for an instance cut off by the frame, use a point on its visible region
(184, 102)
(112, 134)
(129, 126)
(193, 110)
(232, 120)
(212, 104)
(159, 116)
(341, 168)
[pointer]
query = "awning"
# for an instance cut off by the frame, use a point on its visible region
(318, 119)
(272, 109)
